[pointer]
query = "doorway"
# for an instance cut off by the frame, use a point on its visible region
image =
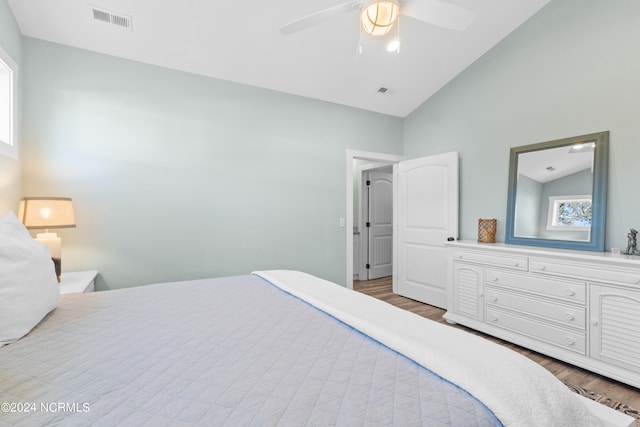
(425, 216)
(374, 229)
(354, 159)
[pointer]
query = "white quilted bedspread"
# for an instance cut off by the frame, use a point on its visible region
(232, 351)
(518, 391)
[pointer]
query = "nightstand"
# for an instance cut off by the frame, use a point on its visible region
(78, 282)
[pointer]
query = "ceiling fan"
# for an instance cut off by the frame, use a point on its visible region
(377, 17)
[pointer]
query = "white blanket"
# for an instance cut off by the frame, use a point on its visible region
(518, 391)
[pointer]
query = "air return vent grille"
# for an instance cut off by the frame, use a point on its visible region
(110, 17)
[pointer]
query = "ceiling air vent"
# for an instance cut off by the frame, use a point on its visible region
(114, 18)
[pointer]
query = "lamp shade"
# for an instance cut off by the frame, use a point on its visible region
(46, 212)
(378, 17)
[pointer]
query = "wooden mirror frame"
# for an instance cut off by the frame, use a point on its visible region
(599, 195)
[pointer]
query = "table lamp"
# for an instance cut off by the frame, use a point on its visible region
(48, 213)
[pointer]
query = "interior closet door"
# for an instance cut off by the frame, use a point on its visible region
(380, 224)
(426, 214)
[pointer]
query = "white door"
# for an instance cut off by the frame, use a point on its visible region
(380, 225)
(426, 215)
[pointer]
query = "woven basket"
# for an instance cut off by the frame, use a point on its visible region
(487, 230)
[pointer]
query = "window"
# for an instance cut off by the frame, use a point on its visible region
(569, 213)
(8, 105)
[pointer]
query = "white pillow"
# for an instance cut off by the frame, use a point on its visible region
(28, 285)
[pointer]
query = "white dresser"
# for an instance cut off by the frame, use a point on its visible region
(580, 307)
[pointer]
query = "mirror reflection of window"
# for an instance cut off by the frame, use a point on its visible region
(569, 212)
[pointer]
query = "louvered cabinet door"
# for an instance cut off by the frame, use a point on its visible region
(614, 318)
(467, 290)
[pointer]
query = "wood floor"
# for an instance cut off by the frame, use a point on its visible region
(614, 390)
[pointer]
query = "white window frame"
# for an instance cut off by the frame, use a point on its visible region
(552, 215)
(10, 148)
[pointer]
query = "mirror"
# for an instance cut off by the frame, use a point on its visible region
(557, 193)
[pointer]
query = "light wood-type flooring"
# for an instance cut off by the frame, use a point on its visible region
(614, 390)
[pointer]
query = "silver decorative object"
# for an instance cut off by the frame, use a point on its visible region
(632, 243)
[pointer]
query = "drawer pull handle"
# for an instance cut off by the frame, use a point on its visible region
(570, 341)
(594, 322)
(493, 298)
(542, 267)
(517, 264)
(570, 316)
(635, 280)
(570, 292)
(494, 318)
(494, 278)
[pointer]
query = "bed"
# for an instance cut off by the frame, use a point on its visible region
(269, 348)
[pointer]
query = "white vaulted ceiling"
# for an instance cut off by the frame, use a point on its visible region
(239, 41)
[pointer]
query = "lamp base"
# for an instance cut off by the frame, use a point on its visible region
(54, 243)
(57, 262)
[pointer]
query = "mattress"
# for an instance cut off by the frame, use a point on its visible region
(228, 351)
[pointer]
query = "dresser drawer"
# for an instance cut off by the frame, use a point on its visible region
(566, 290)
(564, 314)
(602, 274)
(507, 261)
(574, 341)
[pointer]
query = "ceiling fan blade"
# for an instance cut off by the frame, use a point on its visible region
(440, 13)
(318, 17)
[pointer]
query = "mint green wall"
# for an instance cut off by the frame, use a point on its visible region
(572, 69)
(11, 42)
(177, 176)
(528, 195)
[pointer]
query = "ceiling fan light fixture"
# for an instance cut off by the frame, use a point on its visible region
(378, 17)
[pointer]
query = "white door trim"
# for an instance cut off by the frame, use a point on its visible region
(351, 155)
